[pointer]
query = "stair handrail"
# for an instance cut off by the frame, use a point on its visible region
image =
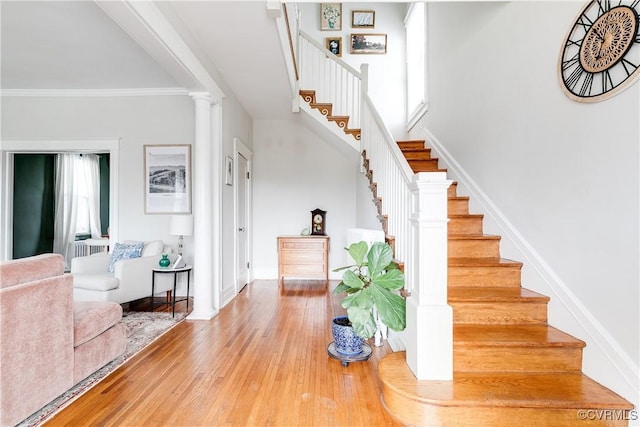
(287, 24)
(334, 80)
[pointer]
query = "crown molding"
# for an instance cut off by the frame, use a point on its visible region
(170, 91)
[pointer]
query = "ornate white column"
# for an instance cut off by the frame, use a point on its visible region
(429, 316)
(204, 285)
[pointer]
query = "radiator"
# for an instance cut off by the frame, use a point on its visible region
(79, 248)
(90, 246)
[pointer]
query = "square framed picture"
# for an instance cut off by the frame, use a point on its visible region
(334, 45)
(167, 179)
(330, 16)
(363, 18)
(368, 43)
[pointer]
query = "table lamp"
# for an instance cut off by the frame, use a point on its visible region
(181, 225)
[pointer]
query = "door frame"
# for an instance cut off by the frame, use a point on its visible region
(240, 148)
(11, 147)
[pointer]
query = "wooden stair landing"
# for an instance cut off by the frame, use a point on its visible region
(495, 399)
(510, 366)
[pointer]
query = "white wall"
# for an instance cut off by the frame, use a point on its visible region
(564, 174)
(295, 172)
(135, 120)
(387, 77)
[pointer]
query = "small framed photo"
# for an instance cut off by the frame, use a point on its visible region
(334, 45)
(330, 16)
(368, 43)
(363, 18)
(167, 179)
(228, 170)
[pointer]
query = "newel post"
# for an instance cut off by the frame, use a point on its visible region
(429, 316)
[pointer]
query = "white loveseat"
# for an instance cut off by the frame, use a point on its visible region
(130, 280)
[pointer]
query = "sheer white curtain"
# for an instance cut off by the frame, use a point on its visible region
(91, 167)
(66, 204)
(73, 172)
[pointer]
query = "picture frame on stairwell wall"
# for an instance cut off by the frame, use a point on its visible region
(363, 18)
(334, 45)
(368, 43)
(330, 16)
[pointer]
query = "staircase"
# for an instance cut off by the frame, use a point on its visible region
(510, 366)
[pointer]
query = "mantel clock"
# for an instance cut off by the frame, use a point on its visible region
(318, 222)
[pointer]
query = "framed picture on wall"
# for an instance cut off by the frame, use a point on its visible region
(368, 43)
(330, 16)
(228, 170)
(363, 18)
(167, 179)
(334, 45)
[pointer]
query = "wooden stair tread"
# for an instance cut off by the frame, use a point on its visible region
(413, 143)
(425, 165)
(504, 294)
(356, 133)
(430, 170)
(415, 149)
(496, 389)
(417, 155)
(456, 216)
(483, 262)
(513, 335)
(473, 237)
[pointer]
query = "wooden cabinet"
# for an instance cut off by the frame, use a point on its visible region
(303, 257)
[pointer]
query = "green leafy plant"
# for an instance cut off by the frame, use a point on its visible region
(370, 283)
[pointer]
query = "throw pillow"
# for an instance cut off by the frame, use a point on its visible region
(124, 251)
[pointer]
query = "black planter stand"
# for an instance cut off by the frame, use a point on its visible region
(344, 358)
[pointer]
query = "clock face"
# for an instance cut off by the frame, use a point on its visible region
(601, 53)
(317, 219)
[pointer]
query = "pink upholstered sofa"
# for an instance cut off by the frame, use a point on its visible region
(49, 343)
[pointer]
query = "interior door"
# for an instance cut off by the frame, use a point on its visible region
(242, 220)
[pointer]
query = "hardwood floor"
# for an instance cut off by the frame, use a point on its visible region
(261, 362)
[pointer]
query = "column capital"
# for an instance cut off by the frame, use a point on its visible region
(203, 96)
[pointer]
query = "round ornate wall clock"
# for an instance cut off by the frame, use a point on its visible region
(600, 56)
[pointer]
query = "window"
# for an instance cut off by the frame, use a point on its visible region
(416, 34)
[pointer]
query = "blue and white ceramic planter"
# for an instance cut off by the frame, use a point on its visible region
(347, 342)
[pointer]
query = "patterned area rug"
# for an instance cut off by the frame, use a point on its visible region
(142, 329)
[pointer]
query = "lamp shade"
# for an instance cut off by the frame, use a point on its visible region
(181, 225)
